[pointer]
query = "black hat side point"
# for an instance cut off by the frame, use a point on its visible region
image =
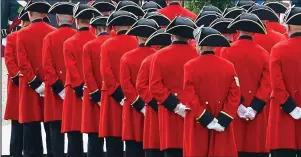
(61, 8)
(206, 20)
(266, 14)
(84, 11)
(181, 26)
(23, 15)
(104, 6)
(40, 6)
(276, 6)
(137, 10)
(160, 37)
(143, 28)
(161, 19)
(99, 21)
(221, 25)
(293, 16)
(233, 13)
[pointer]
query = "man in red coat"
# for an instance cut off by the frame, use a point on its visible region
(278, 8)
(93, 84)
(12, 103)
(285, 113)
(31, 83)
(55, 73)
(251, 64)
(112, 97)
(73, 54)
(151, 138)
(213, 98)
(166, 85)
(134, 107)
(175, 9)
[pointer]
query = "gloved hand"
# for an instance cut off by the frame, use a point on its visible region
(122, 102)
(296, 113)
(99, 104)
(143, 111)
(62, 94)
(214, 125)
(242, 111)
(181, 109)
(251, 113)
(40, 89)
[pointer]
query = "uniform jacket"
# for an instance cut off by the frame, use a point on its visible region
(10, 56)
(174, 10)
(132, 119)
(55, 71)
(251, 65)
(93, 82)
(111, 111)
(166, 85)
(151, 138)
(267, 41)
(276, 26)
(215, 92)
(73, 54)
(30, 63)
(285, 64)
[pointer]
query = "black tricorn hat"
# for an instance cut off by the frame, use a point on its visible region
(62, 8)
(99, 21)
(23, 15)
(293, 16)
(245, 4)
(206, 36)
(264, 13)
(222, 24)
(160, 37)
(248, 22)
(233, 12)
(130, 7)
(84, 11)
(150, 6)
(104, 5)
(143, 28)
(211, 8)
(276, 6)
(206, 18)
(121, 18)
(40, 6)
(46, 19)
(181, 26)
(161, 19)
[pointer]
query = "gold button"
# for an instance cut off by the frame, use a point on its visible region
(296, 91)
(61, 72)
(250, 91)
(37, 69)
(207, 102)
(219, 102)
(176, 94)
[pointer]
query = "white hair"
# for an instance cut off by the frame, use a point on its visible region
(65, 19)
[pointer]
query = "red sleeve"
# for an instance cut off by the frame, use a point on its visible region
(48, 66)
(128, 88)
(10, 56)
(23, 62)
(89, 76)
(142, 83)
(71, 68)
(107, 72)
(157, 88)
(264, 90)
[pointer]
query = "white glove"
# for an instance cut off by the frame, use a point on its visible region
(143, 111)
(62, 94)
(181, 109)
(214, 125)
(122, 102)
(40, 89)
(296, 113)
(251, 113)
(242, 111)
(218, 128)
(99, 104)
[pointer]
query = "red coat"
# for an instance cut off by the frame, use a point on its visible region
(54, 68)
(251, 65)
(10, 56)
(111, 111)
(283, 130)
(93, 82)
(217, 93)
(30, 63)
(73, 54)
(151, 138)
(267, 41)
(276, 26)
(166, 83)
(132, 120)
(174, 10)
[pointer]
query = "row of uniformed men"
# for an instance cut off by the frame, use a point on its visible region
(135, 94)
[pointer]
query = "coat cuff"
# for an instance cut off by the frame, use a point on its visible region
(205, 118)
(79, 90)
(257, 104)
(138, 104)
(153, 104)
(289, 105)
(95, 96)
(224, 119)
(242, 100)
(35, 83)
(171, 102)
(118, 94)
(58, 86)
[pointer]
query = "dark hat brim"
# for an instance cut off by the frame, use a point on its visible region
(265, 14)
(87, 13)
(151, 5)
(183, 31)
(40, 7)
(222, 27)
(23, 15)
(294, 20)
(159, 39)
(206, 20)
(248, 26)
(123, 20)
(104, 6)
(276, 6)
(233, 13)
(142, 31)
(214, 40)
(99, 21)
(61, 8)
(136, 10)
(162, 20)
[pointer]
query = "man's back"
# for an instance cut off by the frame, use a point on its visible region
(174, 10)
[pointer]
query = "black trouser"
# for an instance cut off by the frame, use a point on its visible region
(95, 145)
(247, 154)
(16, 139)
(154, 153)
(57, 139)
(173, 153)
(285, 153)
(32, 139)
(75, 144)
(48, 139)
(133, 148)
(114, 146)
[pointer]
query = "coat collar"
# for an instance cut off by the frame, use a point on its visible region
(102, 33)
(83, 29)
(297, 34)
(121, 32)
(179, 42)
(65, 25)
(37, 20)
(207, 53)
(245, 37)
